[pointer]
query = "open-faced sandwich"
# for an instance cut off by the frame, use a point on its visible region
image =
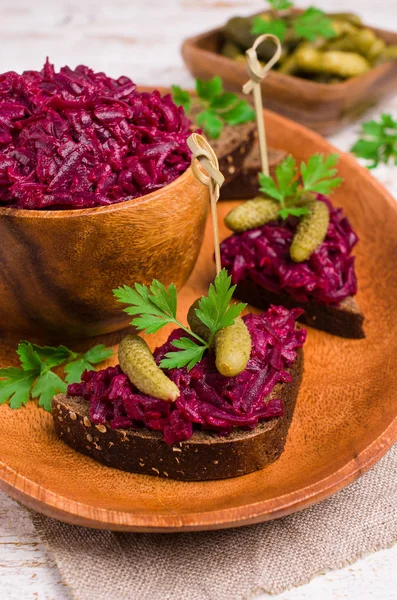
(292, 247)
(215, 401)
(227, 120)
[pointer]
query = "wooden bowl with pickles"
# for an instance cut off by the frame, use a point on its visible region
(96, 190)
(333, 67)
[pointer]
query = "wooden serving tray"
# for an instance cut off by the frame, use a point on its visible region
(344, 422)
(325, 108)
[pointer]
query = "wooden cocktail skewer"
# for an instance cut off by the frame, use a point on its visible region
(203, 153)
(257, 73)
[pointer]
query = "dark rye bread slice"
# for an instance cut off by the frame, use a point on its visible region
(232, 146)
(204, 456)
(344, 319)
(245, 185)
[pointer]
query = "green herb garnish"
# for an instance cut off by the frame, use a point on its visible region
(278, 5)
(34, 378)
(219, 108)
(378, 143)
(276, 27)
(309, 25)
(316, 176)
(156, 306)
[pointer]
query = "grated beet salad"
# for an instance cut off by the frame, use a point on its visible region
(208, 400)
(78, 139)
(262, 255)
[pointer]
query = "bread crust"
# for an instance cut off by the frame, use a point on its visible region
(344, 319)
(204, 456)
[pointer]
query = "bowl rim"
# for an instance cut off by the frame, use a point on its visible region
(191, 41)
(8, 211)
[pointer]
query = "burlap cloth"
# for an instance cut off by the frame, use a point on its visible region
(233, 564)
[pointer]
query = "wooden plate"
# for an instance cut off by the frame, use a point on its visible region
(345, 418)
(323, 107)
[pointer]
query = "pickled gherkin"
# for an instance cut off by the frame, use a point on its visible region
(231, 50)
(232, 348)
(343, 64)
(389, 53)
(238, 31)
(137, 362)
(348, 17)
(353, 51)
(253, 213)
(311, 231)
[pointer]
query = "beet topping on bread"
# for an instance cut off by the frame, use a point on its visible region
(221, 393)
(294, 248)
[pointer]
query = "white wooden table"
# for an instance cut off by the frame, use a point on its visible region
(141, 38)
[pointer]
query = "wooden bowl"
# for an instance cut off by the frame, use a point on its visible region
(58, 268)
(326, 108)
(345, 418)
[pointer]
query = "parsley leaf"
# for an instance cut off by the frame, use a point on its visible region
(313, 23)
(241, 112)
(75, 369)
(181, 97)
(317, 176)
(208, 90)
(95, 355)
(15, 385)
(209, 121)
(29, 358)
(223, 101)
(280, 4)
(286, 173)
(52, 357)
(190, 354)
(98, 354)
(277, 27)
(35, 378)
(215, 310)
(46, 387)
(218, 107)
(154, 307)
(378, 143)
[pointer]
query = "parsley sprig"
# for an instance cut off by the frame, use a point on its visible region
(156, 306)
(378, 141)
(290, 189)
(219, 108)
(309, 25)
(35, 378)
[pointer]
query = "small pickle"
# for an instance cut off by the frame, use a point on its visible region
(195, 324)
(310, 232)
(231, 50)
(367, 43)
(252, 213)
(289, 66)
(342, 64)
(343, 27)
(345, 16)
(389, 53)
(232, 348)
(238, 31)
(137, 362)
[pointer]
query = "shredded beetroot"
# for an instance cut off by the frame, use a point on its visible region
(77, 139)
(262, 255)
(208, 400)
